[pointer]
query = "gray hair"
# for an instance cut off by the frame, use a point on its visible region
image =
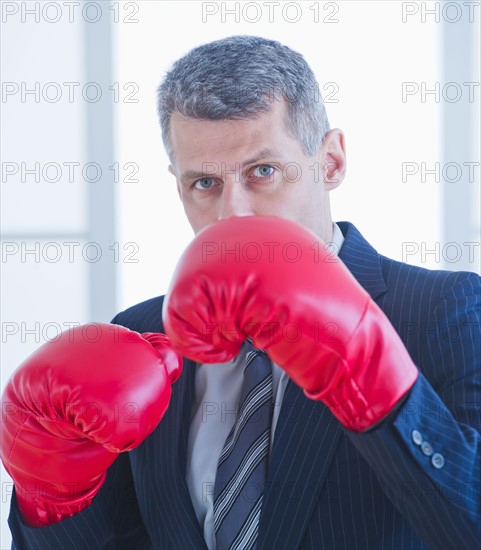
(236, 78)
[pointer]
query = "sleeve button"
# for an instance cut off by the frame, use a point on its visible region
(417, 437)
(427, 448)
(437, 460)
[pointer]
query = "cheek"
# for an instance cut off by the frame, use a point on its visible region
(199, 218)
(307, 201)
(301, 195)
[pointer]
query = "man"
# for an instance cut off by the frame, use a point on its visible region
(247, 135)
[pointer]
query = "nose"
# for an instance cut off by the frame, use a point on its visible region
(235, 201)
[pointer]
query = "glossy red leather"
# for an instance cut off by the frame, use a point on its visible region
(276, 282)
(68, 410)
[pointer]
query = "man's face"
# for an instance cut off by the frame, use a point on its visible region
(252, 167)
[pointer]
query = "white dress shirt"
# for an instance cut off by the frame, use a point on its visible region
(217, 392)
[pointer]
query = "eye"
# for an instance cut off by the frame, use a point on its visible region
(263, 171)
(203, 183)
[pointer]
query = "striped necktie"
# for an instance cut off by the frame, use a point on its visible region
(242, 467)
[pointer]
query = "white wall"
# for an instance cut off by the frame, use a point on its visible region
(365, 56)
(50, 236)
(38, 296)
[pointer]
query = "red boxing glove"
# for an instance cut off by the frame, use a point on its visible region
(272, 280)
(95, 391)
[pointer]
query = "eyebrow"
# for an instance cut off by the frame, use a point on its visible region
(263, 153)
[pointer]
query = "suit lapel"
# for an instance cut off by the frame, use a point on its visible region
(362, 260)
(186, 399)
(307, 433)
(306, 438)
(167, 476)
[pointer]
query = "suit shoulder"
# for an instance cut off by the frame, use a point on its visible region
(436, 313)
(416, 296)
(438, 283)
(143, 317)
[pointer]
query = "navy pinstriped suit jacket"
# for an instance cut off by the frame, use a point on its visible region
(327, 488)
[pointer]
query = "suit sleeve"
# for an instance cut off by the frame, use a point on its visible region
(113, 519)
(427, 455)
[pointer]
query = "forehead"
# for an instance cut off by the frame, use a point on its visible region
(194, 141)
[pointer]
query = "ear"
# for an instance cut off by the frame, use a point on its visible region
(332, 155)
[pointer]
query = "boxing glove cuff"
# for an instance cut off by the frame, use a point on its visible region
(40, 512)
(377, 373)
